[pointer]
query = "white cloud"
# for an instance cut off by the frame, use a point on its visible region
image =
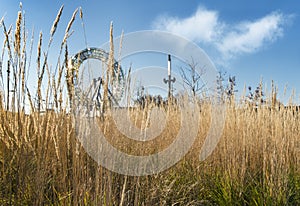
(204, 26)
(249, 37)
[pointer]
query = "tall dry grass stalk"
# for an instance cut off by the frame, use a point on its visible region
(22, 66)
(69, 76)
(67, 32)
(17, 61)
(83, 26)
(40, 73)
(55, 23)
(17, 43)
(1, 21)
(109, 72)
(119, 56)
(69, 68)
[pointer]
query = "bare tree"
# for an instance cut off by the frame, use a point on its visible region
(192, 77)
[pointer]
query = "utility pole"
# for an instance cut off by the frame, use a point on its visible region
(169, 80)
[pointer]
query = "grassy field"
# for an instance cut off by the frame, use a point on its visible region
(256, 162)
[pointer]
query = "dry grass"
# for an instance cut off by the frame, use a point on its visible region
(42, 162)
(256, 161)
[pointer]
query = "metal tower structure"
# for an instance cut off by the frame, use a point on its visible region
(90, 94)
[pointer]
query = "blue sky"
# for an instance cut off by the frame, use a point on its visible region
(248, 39)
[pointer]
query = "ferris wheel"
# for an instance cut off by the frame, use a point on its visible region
(89, 82)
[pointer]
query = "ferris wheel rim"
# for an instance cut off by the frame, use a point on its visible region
(99, 54)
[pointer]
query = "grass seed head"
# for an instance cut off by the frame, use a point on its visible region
(18, 33)
(55, 23)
